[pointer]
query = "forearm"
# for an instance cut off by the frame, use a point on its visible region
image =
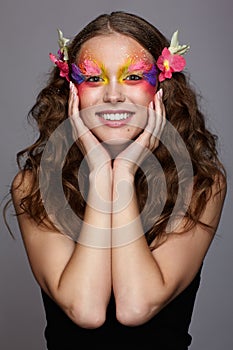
(136, 276)
(86, 280)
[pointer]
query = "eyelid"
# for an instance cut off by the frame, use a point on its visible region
(88, 77)
(139, 75)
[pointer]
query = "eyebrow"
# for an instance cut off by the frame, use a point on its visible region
(92, 68)
(147, 69)
(140, 66)
(84, 69)
(130, 67)
(89, 67)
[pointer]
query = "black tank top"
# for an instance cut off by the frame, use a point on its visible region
(168, 330)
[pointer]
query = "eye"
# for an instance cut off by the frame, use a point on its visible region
(94, 79)
(133, 77)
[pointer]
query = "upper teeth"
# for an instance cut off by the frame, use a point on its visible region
(115, 116)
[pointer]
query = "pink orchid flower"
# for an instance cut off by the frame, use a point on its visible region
(169, 63)
(63, 66)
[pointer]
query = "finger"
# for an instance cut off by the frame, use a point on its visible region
(151, 118)
(74, 115)
(156, 120)
(160, 114)
(84, 138)
(78, 127)
(70, 100)
(155, 114)
(73, 108)
(75, 105)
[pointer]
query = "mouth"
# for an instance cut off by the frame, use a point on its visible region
(115, 115)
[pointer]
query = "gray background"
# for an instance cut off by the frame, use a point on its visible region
(27, 34)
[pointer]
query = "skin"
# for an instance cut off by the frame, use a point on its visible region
(111, 92)
(143, 282)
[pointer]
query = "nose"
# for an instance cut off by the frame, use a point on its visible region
(113, 93)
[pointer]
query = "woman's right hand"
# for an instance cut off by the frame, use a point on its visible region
(97, 217)
(95, 154)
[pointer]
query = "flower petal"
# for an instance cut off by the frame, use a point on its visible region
(161, 77)
(53, 58)
(178, 63)
(166, 53)
(171, 60)
(63, 66)
(168, 74)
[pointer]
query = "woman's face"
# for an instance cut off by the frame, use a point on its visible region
(117, 81)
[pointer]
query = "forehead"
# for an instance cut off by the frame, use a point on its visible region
(113, 49)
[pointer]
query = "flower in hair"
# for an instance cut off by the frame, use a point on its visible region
(171, 59)
(62, 58)
(63, 66)
(62, 42)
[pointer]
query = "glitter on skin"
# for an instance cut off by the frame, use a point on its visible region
(85, 69)
(89, 68)
(143, 68)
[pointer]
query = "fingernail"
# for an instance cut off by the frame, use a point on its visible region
(160, 93)
(76, 89)
(151, 105)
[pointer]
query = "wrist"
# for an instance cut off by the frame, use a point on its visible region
(100, 189)
(123, 173)
(103, 174)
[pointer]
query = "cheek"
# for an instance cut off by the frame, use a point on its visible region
(83, 92)
(148, 89)
(143, 93)
(87, 96)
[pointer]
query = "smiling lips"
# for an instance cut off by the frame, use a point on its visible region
(115, 118)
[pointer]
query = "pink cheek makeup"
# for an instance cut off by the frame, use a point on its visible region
(146, 88)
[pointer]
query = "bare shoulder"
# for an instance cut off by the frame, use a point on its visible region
(22, 181)
(219, 186)
(215, 202)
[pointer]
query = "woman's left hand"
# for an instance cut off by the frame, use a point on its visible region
(128, 161)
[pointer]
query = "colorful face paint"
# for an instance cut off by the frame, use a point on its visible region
(144, 69)
(87, 69)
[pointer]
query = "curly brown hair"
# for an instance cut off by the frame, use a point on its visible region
(183, 112)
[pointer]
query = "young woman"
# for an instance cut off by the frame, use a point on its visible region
(120, 196)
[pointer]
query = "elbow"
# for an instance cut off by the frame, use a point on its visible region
(83, 310)
(135, 314)
(87, 317)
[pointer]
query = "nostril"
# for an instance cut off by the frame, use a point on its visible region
(113, 97)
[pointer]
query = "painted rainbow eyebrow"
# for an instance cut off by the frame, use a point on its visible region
(89, 68)
(148, 70)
